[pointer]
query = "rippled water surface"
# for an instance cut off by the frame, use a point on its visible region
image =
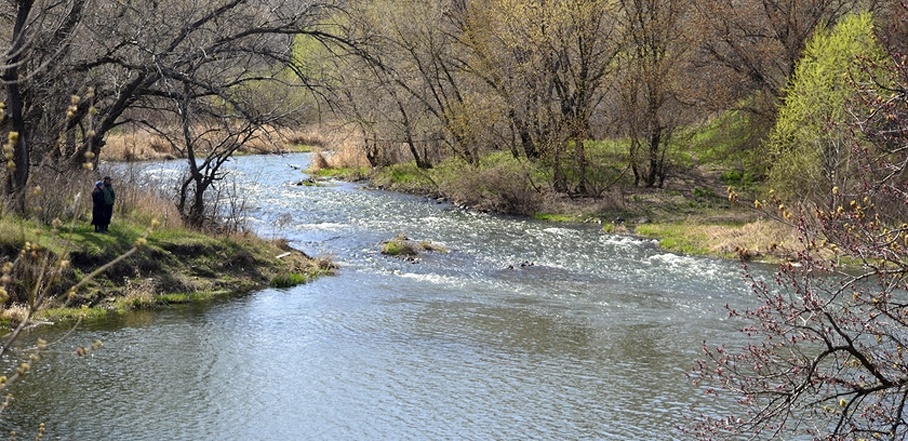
(524, 330)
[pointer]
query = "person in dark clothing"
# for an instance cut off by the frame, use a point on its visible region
(97, 206)
(109, 196)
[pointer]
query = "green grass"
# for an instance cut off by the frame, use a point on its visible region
(405, 177)
(192, 297)
(555, 217)
(289, 280)
(344, 173)
(71, 314)
(678, 238)
(401, 246)
(184, 265)
(720, 139)
(398, 247)
(302, 148)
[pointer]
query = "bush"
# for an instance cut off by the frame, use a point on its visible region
(500, 184)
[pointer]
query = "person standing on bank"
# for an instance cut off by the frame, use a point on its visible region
(97, 206)
(109, 197)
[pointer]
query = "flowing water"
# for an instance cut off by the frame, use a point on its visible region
(523, 330)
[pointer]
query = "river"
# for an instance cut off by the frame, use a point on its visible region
(523, 330)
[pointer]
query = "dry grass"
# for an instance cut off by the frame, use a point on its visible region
(143, 200)
(138, 294)
(67, 197)
(136, 145)
(64, 196)
(347, 156)
(145, 205)
(758, 238)
(309, 136)
(13, 313)
(318, 161)
(341, 145)
(341, 148)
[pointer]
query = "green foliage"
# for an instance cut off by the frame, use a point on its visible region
(57, 315)
(499, 182)
(345, 173)
(180, 297)
(724, 140)
(606, 162)
(142, 271)
(302, 148)
(405, 177)
(402, 246)
(812, 139)
(704, 193)
(741, 179)
(288, 280)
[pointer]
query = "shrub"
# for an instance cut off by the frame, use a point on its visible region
(501, 184)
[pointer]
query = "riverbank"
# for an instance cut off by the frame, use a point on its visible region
(151, 268)
(691, 214)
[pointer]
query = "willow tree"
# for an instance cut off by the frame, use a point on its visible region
(812, 140)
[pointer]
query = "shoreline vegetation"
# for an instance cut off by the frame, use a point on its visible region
(150, 258)
(690, 215)
(171, 265)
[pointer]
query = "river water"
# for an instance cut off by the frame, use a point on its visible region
(523, 330)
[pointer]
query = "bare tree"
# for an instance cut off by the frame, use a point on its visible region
(405, 85)
(39, 36)
(207, 132)
(653, 83)
(550, 65)
(750, 47)
(131, 54)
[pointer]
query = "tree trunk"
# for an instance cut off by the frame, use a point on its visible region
(17, 177)
(580, 157)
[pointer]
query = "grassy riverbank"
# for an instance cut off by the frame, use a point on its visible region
(170, 264)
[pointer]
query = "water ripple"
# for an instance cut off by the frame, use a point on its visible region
(524, 330)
